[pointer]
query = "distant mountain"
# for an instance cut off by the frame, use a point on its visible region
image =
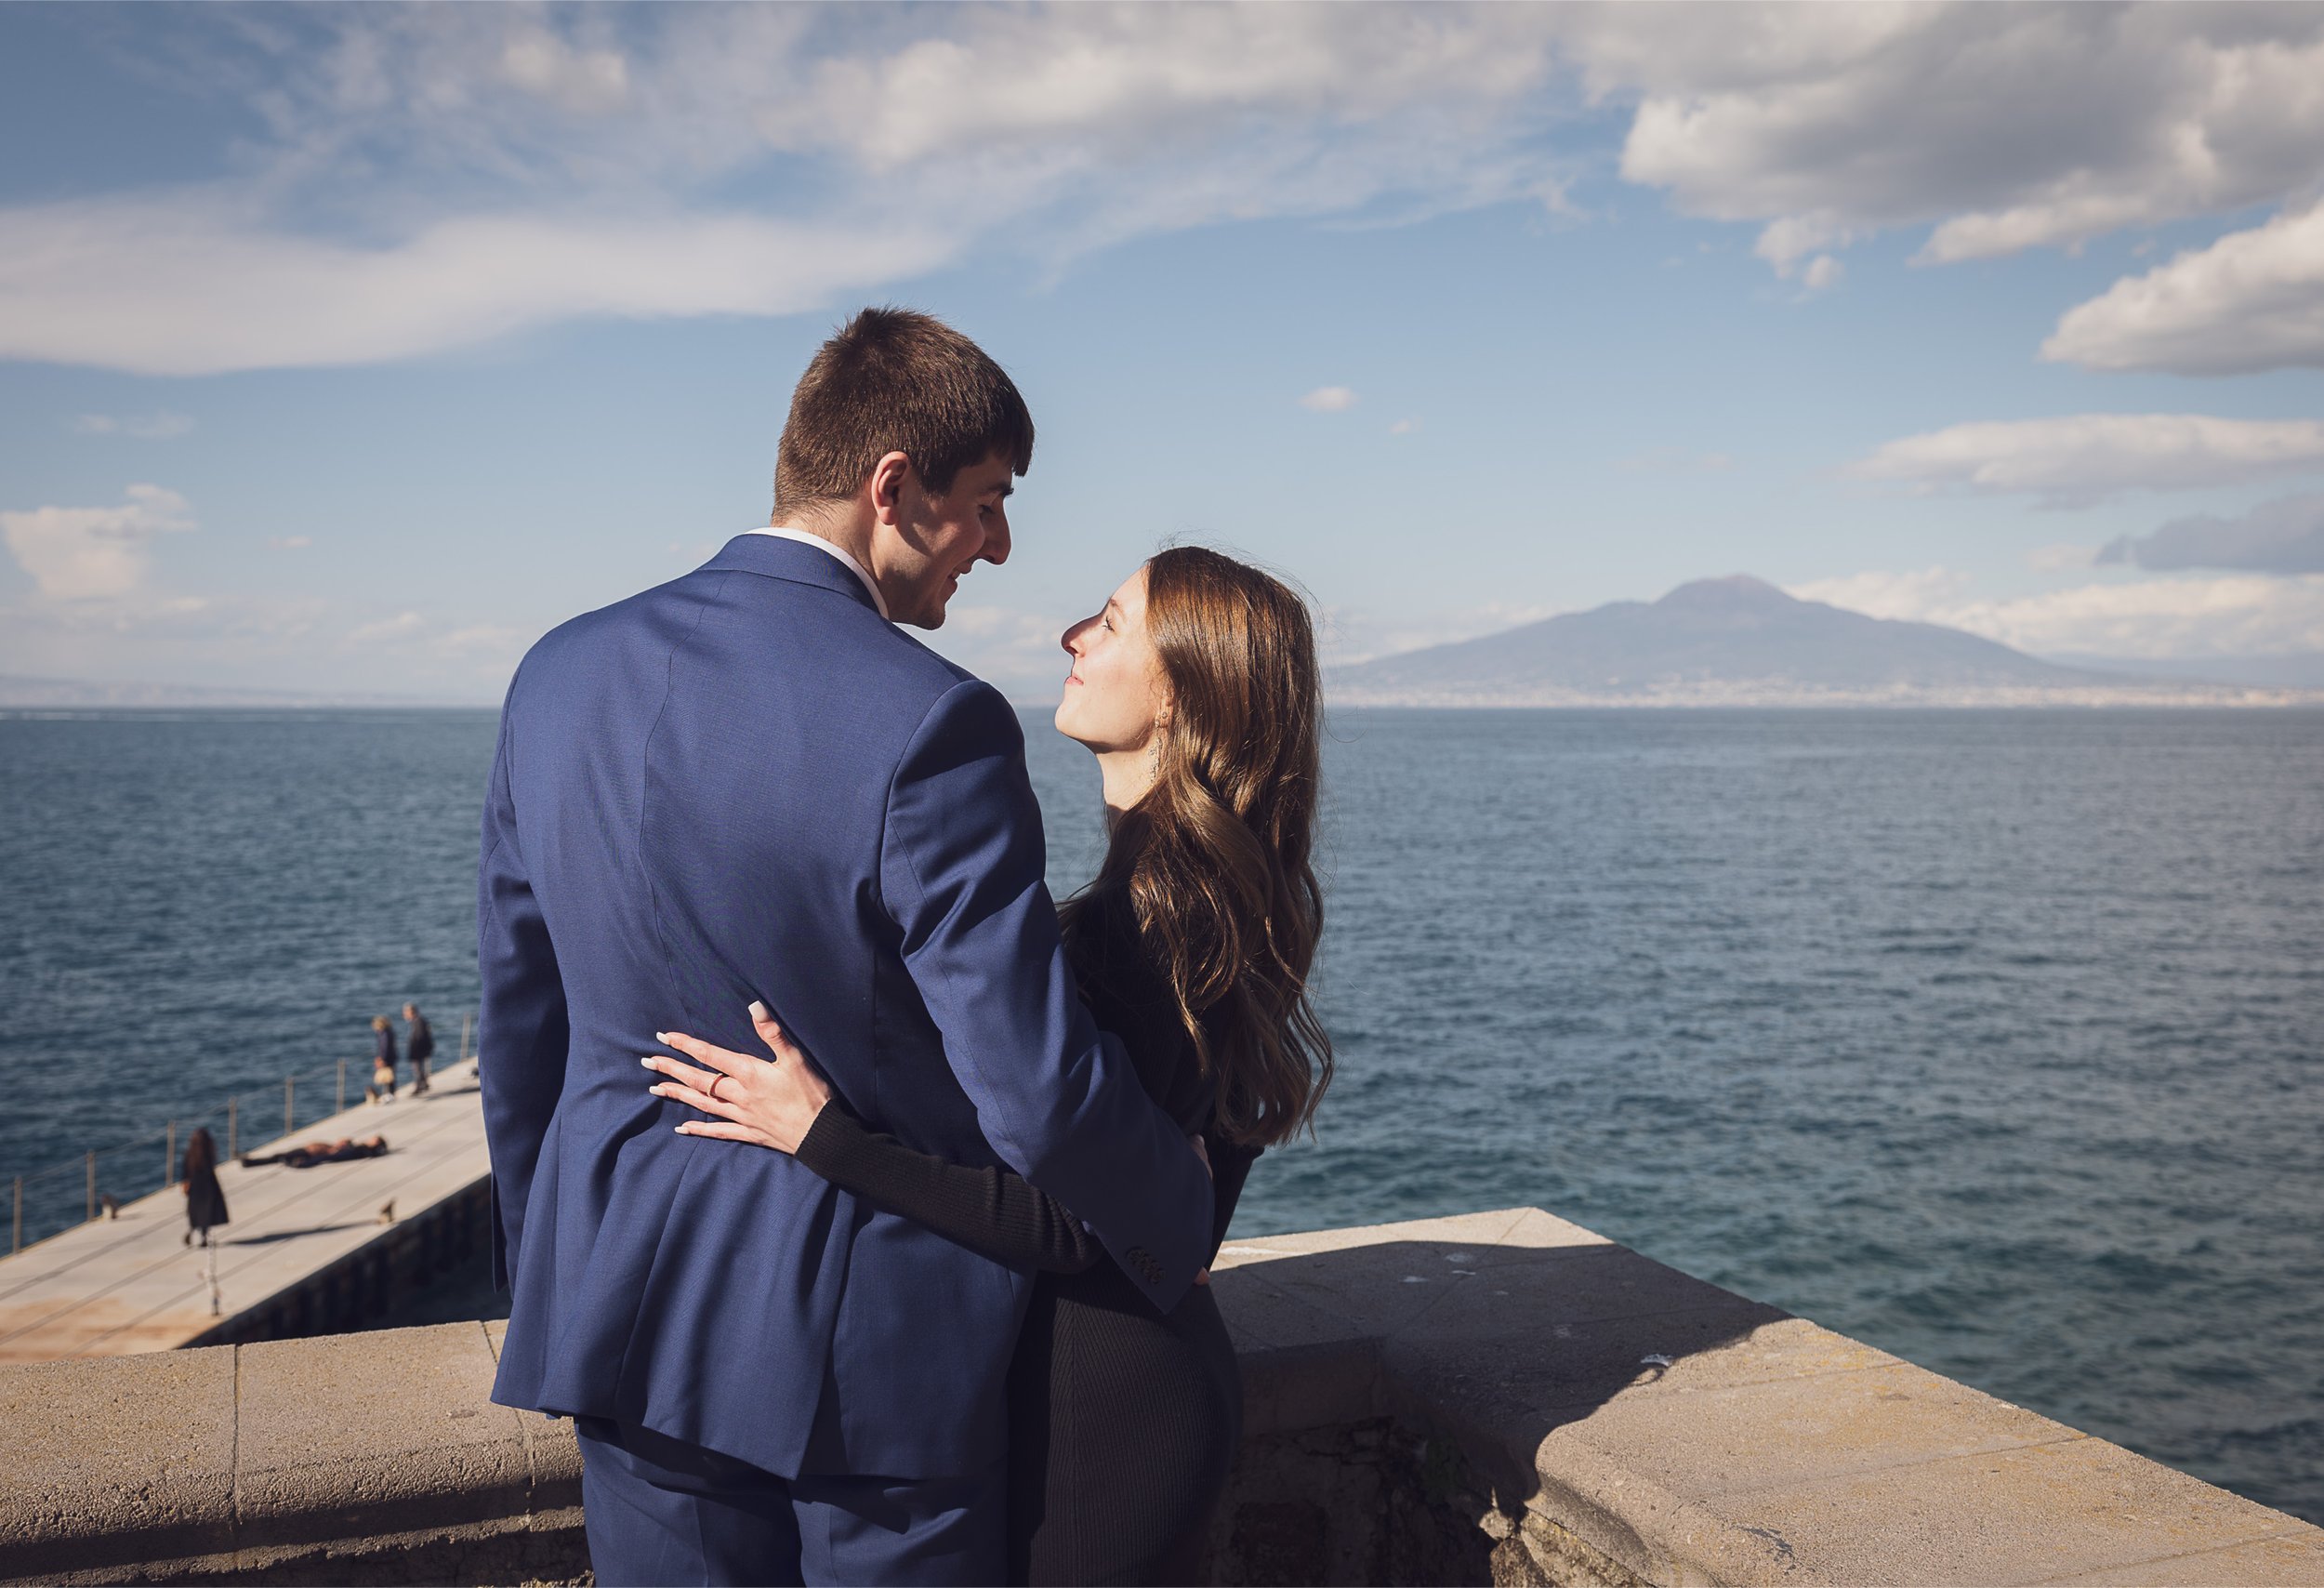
(1741, 642)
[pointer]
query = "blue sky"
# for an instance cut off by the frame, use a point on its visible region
(350, 348)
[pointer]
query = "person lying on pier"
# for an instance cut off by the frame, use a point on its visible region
(313, 1153)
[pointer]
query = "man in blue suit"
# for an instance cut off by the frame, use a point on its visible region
(748, 785)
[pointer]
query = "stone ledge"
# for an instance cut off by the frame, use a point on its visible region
(359, 1458)
(1499, 1397)
(1627, 1422)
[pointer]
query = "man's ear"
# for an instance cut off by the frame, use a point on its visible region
(890, 479)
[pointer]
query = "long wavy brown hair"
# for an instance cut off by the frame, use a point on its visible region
(1215, 861)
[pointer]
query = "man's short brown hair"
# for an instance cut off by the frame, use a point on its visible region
(896, 380)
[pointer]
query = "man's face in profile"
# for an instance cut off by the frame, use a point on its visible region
(936, 539)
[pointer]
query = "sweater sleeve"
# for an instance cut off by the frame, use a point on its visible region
(1230, 1165)
(994, 1213)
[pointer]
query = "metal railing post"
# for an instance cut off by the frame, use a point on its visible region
(230, 1125)
(16, 1239)
(342, 1107)
(289, 1081)
(169, 1156)
(92, 1182)
(466, 1023)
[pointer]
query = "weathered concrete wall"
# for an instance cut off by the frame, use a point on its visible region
(1609, 1420)
(354, 1458)
(1500, 1398)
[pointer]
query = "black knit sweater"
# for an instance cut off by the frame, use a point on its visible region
(1122, 1421)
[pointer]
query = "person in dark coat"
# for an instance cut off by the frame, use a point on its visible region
(383, 1056)
(205, 1203)
(419, 1046)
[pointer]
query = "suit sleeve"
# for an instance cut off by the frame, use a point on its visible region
(961, 867)
(522, 1035)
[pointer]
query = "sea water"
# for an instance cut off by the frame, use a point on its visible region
(1993, 1039)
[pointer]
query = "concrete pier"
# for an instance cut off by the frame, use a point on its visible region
(308, 1249)
(1498, 1397)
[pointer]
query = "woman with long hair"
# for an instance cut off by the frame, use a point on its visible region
(205, 1202)
(1198, 689)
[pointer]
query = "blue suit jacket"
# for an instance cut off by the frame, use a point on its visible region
(744, 785)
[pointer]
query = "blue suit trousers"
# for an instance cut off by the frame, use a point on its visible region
(661, 1511)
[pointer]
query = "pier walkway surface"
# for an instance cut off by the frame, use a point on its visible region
(115, 1287)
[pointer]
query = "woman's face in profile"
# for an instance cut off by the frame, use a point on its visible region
(1114, 695)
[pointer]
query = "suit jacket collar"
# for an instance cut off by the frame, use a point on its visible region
(776, 559)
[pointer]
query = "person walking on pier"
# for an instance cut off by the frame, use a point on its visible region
(205, 1202)
(383, 1058)
(419, 1046)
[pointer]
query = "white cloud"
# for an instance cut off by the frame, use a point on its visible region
(433, 177)
(2087, 457)
(1018, 653)
(263, 643)
(2182, 618)
(2282, 537)
(1135, 74)
(1403, 428)
(586, 82)
(1910, 596)
(2058, 558)
(1822, 273)
(139, 427)
(2251, 300)
(2233, 616)
(1784, 242)
(402, 626)
(1328, 400)
(289, 542)
(487, 651)
(2005, 127)
(93, 554)
(485, 641)
(171, 290)
(439, 177)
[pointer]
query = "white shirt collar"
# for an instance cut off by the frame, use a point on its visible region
(820, 544)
